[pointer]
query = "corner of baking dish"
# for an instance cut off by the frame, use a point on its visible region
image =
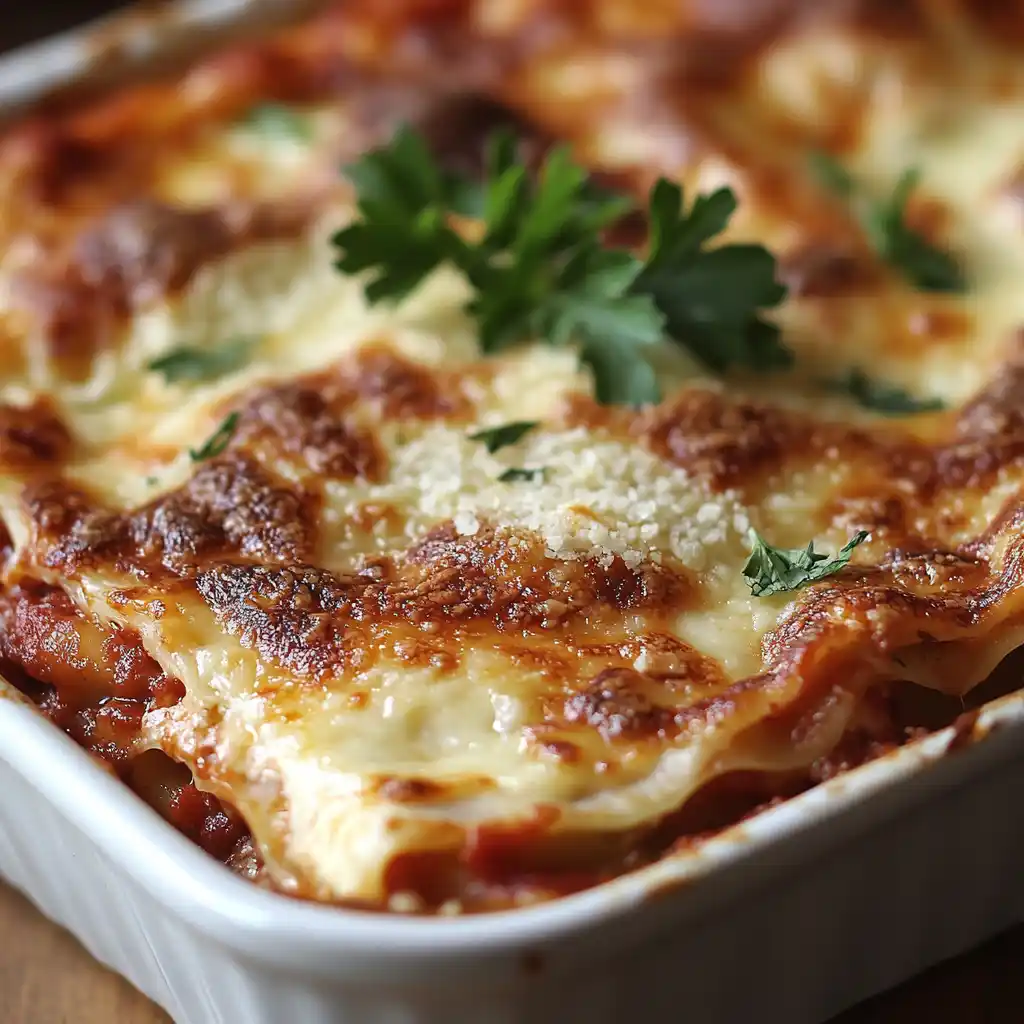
(283, 931)
(126, 42)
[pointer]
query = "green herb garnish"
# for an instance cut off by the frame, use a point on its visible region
(888, 399)
(538, 267)
(711, 298)
(832, 174)
(496, 438)
(771, 570)
(515, 473)
(191, 363)
(278, 121)
(217, 441)
(926, 266)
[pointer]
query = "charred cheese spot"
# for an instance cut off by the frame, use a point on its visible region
(996, 413)
(298, 419)
(616, 704)
(732, 442)
(918, 600)
(826, 269)
(328, 422)
(510, 573)
(297, 617)
(230, 506)
(941, 324)
(32, 437)
(316, 623)
(140, 251)
(458, 131)
(401, 389)
(421, 790)
(725, 441)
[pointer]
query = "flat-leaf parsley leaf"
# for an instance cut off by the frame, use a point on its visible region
(771, 570)
(888, 399)
(217, 441)
(189, 362)
(538, 267)
(515, 473)
(711, 298)
(496, 438)
(928, 267)
(402, 232)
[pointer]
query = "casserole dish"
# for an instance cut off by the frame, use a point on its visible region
(210, 948)
(802, 897)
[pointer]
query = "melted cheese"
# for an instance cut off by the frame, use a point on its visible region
(583, 644)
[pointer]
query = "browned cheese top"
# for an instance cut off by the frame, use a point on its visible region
(413, 678)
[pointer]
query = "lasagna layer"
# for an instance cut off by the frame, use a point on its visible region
(423, 684)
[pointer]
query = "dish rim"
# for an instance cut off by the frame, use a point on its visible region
(232, 911)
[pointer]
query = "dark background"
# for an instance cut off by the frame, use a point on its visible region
(985, 987)
(23, 20)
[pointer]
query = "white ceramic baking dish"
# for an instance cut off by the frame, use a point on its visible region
(789, 917)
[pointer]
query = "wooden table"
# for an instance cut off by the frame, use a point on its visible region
(47, 978)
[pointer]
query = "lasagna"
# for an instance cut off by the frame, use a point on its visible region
(406, 560)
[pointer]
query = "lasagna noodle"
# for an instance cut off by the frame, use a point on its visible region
(386, 652)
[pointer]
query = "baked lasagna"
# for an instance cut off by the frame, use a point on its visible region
(454, 452)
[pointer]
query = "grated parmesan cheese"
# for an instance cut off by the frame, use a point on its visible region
(598, 498)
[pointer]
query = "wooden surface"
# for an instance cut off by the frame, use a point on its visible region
(47, 978)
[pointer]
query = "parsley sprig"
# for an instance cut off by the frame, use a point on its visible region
(496, 438)
(888, 399)
(515, 474)
(926, 266)
(217, 441)
(771, 570)
(189, 362)
(538, 267)
(711, 297)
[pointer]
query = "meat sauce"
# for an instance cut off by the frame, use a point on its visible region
(96, 684)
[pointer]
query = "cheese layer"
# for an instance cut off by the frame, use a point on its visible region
(397, 661)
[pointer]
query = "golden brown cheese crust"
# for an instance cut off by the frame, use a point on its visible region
(32, 437)
(87, 186)
(350, 575)
(229, 507)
